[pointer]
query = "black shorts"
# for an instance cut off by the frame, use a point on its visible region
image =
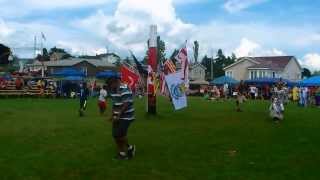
(120, 128)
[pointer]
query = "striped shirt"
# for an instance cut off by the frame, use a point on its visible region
(119, 98)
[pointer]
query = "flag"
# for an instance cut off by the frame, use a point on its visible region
(169, 67)
(177, 90)
(43, 36)
(140, 68)
(182, 57)
(129, 77)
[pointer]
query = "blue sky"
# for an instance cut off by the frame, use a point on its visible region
(244, 27)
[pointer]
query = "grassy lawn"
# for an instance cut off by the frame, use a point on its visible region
(45, 139)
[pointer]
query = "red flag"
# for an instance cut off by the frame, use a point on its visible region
(129, 77)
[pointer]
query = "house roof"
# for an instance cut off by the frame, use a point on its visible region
(74, 61)
(272, 62)
(268, 62)
(196, 65)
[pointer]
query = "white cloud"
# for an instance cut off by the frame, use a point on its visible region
(311, 61)
(128, 27)
(5, 31)
(246, 48)
(238, 5)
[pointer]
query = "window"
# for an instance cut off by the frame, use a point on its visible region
(251, 75)
(229, 73)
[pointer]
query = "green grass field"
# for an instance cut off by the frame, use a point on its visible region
(45, 139)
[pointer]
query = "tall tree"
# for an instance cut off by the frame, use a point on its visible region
(161, 48)
(4, 54)
(196, 50)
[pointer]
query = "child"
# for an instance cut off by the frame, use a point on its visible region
(102, 100)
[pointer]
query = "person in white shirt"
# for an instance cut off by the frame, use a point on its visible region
(102, 100)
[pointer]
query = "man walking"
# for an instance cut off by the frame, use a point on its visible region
(122, 117)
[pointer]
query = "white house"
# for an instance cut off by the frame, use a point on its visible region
(245, 68)
(197, 74)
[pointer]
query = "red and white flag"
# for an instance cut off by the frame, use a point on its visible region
(129, 77)
(182, 57)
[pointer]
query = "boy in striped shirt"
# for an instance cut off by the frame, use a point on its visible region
(122, 117)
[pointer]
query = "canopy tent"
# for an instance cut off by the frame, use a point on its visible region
(313, 81)
(107, 74)
(69, 72)
(73, 78)
(269, 81)
(224, 80)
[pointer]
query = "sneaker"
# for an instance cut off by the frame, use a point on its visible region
(131, 151)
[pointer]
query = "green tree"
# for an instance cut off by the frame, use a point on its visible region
(206, 62)
(316, 73)
(306, 73)
(161, 48)
(196, 50)
(4, 54)
(66, 55)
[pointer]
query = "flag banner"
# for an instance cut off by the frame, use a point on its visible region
(169, 67)
(177, 90)
(182, 58)
(129, 77)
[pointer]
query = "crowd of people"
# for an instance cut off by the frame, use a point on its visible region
(304, 96)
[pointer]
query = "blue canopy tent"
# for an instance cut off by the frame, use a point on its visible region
(107, 74)
(69, 72)
(224, 80)
(73, 78)
(313, 81)
(269, 81)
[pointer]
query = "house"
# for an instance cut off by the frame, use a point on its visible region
(246, 68)
(90, 66)
(197, 74)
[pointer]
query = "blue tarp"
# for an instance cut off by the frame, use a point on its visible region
(269, 81)
(107, 74)
(69, 72)
(224, 80)
(313, 81)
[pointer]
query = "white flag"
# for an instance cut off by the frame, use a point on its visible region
(177, 89)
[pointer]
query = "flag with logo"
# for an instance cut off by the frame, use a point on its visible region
(177, 89)
(129, 76)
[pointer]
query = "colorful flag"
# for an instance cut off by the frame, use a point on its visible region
(169, 67)
(177, 90)
(129, 77)
(182, 57)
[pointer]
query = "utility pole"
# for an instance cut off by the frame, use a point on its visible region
(211, 65)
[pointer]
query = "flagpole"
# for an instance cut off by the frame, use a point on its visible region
(152, 63)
